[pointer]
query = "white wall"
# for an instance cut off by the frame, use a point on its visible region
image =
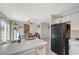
(74, 34)
(34, 28)
(75, 26)
(44, 30)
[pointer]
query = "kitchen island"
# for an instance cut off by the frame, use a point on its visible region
(29, 47)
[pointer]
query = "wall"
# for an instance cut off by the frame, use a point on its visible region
(74, 34)
(75, 26)
(34, 28)
(44, 30)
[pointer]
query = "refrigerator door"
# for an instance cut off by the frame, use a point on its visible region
(57, 28)
(57, 38)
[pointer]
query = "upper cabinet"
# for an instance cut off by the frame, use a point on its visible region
(66, 19)
(58, 20)
(75, 22)
(62, 20)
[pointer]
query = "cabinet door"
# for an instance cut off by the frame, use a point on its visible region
(27, 52)
(75, 22)
(66, 19)
(74, 50)
(74, 47)
(58, 20)
(41, 50)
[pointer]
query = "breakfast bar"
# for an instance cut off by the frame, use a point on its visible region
(29, 47)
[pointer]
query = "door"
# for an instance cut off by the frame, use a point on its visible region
(26, 28)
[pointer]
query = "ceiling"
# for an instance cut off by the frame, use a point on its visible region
(39, 12)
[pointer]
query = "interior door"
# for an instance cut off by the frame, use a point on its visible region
(26, 28)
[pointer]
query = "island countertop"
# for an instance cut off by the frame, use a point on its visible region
(12, 48)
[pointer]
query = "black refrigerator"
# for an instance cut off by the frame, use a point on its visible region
(58, 38)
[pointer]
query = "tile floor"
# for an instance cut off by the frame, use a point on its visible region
(48, 51)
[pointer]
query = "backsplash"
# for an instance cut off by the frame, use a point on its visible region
(74, 34)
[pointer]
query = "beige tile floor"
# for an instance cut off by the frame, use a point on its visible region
(48, 51)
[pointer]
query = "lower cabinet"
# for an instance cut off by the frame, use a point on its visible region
(74, 48)
(40, 50)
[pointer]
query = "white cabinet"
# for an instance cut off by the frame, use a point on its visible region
(66, 19)
(62, 20)
(74, 47)
(75, 22)
(59, 20)
(40, 50)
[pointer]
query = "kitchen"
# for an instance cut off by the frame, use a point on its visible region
(20, 43)
(28, 31)
(72, 20)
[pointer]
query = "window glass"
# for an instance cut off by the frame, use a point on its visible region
(8, 31)
(4, 31)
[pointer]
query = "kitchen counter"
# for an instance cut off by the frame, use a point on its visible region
(73, 41)
(74, 47)
(14, 48)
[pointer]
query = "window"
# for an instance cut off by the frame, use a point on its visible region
(16, 35)
(4, 31)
